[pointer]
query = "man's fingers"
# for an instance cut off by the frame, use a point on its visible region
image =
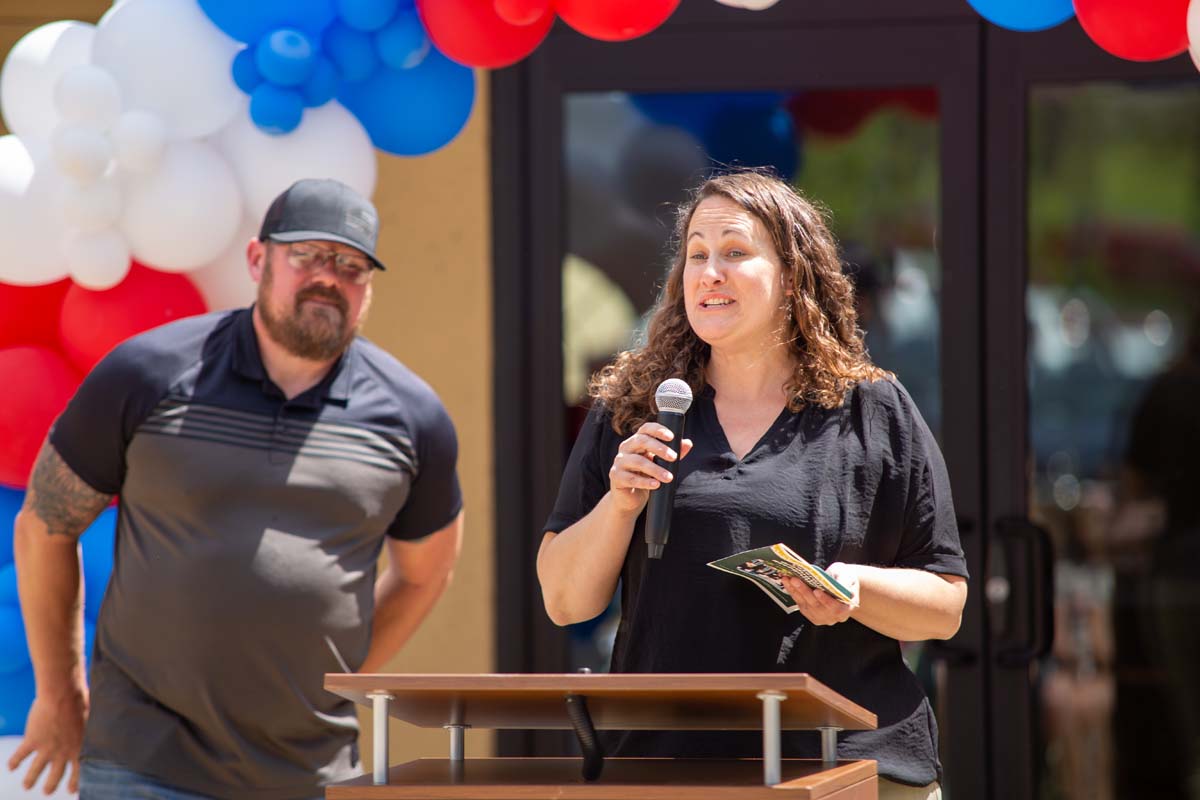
(35, 771)
(20, 754)
(57, 768)
(73, 784)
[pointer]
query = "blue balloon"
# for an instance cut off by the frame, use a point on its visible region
(403, 44)
(758, 138)
(322, 85)
(250, 20)
(1025, 15)
(285, 57)
(413, 111)
(16, 696)
(245, 71)
(14, 653)
(98, 543)
(696, 111)
(11, 501)
(352, 52)
(367, 15)
(276, 110)
(8, 585)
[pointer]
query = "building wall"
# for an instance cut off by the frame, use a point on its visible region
(432, 310)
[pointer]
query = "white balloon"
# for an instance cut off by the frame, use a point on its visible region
(94, 208)
(88, 94)
(752, 5)
(138, 140)
(81, 152)
(170, 59)
(330, 143)
(97, 261)
(32, 69)
(30, 228)
(1193, 31)
(225, 282)
(183, 214)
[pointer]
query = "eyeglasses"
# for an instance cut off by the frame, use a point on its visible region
(348, 267)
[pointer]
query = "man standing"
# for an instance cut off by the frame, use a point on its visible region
(262, 458)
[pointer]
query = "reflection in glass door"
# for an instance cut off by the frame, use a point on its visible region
(1113, 361)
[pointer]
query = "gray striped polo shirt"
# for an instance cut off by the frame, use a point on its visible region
(249, 529)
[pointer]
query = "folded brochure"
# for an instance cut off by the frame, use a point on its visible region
(764, 567)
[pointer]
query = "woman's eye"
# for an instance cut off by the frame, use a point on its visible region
(735, 253)
(698, 256)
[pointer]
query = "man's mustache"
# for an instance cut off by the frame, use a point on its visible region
(323, 293)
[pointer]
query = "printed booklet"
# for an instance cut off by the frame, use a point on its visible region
(764, 565)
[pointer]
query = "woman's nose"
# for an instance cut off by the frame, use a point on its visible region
(713, 273)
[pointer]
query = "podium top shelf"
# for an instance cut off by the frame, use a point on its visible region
(616, 702)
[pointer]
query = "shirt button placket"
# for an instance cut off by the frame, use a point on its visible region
(278, 452)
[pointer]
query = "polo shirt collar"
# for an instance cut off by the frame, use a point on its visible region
(247, 362)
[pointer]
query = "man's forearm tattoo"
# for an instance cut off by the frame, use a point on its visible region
(60, 498)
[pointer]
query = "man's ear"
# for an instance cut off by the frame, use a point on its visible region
(256, 258)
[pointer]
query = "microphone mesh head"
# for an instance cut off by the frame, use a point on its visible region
(673, 395)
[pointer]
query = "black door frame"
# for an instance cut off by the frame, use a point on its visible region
(1015, 63)
(819, 44)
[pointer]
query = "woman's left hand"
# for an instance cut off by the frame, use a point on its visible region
(820, 607)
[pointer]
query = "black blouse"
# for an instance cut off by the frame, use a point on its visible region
(864, 483)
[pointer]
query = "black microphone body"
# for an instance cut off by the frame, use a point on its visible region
(662, 499)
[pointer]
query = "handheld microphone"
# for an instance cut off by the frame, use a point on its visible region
(673, 398)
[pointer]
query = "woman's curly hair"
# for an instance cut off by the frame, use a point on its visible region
(821, 330)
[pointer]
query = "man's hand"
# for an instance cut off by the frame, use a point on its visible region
(53, 736)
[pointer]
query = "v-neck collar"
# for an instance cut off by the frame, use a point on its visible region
(712, 423)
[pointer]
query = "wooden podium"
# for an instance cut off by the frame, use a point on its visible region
(767, 702)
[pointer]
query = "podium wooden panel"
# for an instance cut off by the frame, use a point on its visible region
(615, 702)
(623, 779)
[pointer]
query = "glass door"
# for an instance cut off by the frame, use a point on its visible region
(1092, 590)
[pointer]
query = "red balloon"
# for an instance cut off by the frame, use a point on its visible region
(472, 33)
(521, 12)
(615, 20)
(922, 101)
(29, 314)
(836, 113)
(37, 382)
(1137, 30)
(93, 323)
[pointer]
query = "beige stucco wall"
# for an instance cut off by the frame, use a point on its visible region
(433, 310)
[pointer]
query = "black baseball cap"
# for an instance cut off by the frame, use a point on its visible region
(325, 210)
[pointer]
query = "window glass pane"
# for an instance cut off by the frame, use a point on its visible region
(1114, 399)
(869, 155)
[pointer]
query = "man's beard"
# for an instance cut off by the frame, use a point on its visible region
(310, 331)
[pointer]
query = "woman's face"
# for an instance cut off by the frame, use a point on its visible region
(731, 279)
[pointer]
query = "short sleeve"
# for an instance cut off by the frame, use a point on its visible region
(585, 478)
(436, 497)
(92, 433)
(929, 540)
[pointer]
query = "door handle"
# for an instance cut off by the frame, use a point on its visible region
(1028, 544)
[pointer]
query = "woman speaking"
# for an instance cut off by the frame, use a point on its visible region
(794, 437)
